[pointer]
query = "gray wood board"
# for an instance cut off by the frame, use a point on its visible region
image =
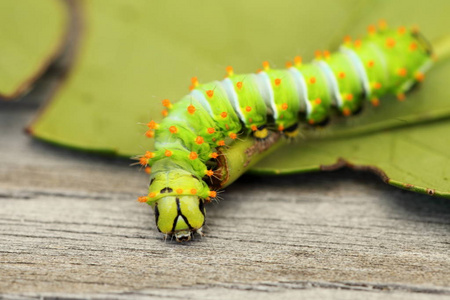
(70, 227)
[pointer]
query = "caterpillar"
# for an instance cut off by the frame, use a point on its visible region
(188, 140)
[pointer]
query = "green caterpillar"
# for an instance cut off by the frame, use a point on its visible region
(214, 114)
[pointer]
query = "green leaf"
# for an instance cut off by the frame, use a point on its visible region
(414, 158)
(32, 34)
(135, 54)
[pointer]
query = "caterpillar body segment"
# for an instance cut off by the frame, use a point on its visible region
(216, 113)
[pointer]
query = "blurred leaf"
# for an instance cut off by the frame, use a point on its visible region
(134, 54)
(32, 34)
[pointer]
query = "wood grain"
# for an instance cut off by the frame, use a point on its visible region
(70, 227)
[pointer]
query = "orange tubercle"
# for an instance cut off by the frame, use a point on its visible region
(254, 128)
(347, 39)
(412, 46)
(318, 101)
(371, 29)
(221, 143)
(193, 155)
(341, 75)
(210, 93)
(288, 64)
(164, 113)
(149, 154)
(370, 63)
(280, 127)
(143, 161)
(419, 76)
(390, 42)
(209, 173)
(375, 101)
(284, 106)
(193, 191)
(152, 195)
(223, 114)
(149, 134)
(194, 81)
(402, 72)
(173, 129)
(248, 108)
(318, 54)
(233, 135)
(168, 153)
(166, 103)
(229, 70)
(143, 199)
(312, 80)
(148, 170)
(239, 85)
(179, 191)
(214, 155)
(346, 111)
(191, 109)
(152, 125)
(349, 97)
(401, 30)
(326, 54)
(382, 24)
(357, 43)
(266, 65)
(298, 60)
(199, 140)
(376, 85)
(212, 194)
(211, 130)
(401, 97)
(277, 81)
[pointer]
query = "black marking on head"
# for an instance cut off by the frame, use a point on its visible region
(157, 216)
(180, 214)
(166, 190)
(151, 181)
(261, 127)
(193, 176)
(187, 222)
(201, 206)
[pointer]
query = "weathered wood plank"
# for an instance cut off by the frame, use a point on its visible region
(69, 223)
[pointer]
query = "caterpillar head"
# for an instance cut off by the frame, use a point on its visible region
(177, 197)
(180, 216)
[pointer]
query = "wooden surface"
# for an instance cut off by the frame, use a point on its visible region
(70, 227)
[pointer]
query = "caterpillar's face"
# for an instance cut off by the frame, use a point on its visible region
(180, 216)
